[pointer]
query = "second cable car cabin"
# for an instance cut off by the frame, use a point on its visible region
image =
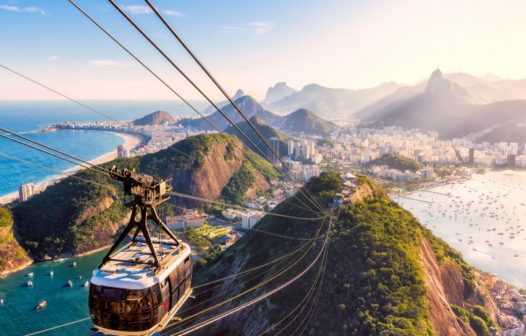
(137, 289)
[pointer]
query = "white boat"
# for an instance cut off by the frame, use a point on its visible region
(86, 284)
(51, 273)
(70, 283)
(30, 274)
(74, 264)
(1, 301)
(29, 283)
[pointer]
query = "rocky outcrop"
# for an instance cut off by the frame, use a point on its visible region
(444, 285)
(12, 255)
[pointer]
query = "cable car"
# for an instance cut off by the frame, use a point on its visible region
(139, 287)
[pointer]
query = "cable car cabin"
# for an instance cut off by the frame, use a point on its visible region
(127, 297)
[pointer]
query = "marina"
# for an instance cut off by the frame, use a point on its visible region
(483, 218)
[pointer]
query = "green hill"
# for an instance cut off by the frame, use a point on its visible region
(378, 280)
(266, 131)
(73, 216)
(155, 118)
(307, 122)
(399, 162)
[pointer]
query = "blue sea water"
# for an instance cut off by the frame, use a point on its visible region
(26, 116)
(65, 304)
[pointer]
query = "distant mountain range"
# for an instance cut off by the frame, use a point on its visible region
(327, 102)
(297, 122)
(454, 105)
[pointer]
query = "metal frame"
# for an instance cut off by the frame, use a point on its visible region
(148, 193)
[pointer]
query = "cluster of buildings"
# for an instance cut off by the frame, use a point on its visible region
(511, 306)
(362, 145)
(157, 137)
(302, 158)
(502, 154)
(188, 218)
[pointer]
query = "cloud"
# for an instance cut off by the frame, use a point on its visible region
(53, 58)
(16, 9)
(138, 9)
(103, 62)
(261, 28)
(174, 13)
(255, 28)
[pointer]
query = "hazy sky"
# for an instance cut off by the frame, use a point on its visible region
(253, 44)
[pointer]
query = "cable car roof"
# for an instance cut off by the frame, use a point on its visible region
(133, 266)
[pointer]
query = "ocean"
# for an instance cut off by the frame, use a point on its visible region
(483, 218)
(65, 304)
(29, 116)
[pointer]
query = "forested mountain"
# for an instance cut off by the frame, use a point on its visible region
(81, 216)
(383, 274)
(299, 121)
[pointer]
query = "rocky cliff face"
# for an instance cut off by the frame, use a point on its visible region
(12, 255)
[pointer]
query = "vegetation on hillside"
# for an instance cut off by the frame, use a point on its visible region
(374, 282)
(401, 163)
(67, 216)
(266, 131)
(11, 254)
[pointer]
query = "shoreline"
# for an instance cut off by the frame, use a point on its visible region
(98, 249)
(131, 141)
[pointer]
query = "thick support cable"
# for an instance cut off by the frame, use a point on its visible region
(143, 64)
(196, 87)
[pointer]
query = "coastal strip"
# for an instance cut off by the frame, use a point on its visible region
(131, 141)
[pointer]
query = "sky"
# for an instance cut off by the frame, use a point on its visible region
(254, 44)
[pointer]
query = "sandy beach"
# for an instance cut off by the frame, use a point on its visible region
(130, 142)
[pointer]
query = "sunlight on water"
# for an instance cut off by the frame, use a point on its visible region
(483, 218)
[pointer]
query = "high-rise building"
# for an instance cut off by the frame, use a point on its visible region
(25, 191)
(120, 150)
(290, 148)
(471, 155)
(307, 150)
(274, 144)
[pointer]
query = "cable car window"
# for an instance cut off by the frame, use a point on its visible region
(173, 278)
(180, 272)
(110, 293)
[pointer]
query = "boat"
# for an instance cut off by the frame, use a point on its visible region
(41, 305)
(74, 264)
(30, 274)
(86, 284)
(29, 283)
(51, 273)
(70, 283)
(1, 301)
